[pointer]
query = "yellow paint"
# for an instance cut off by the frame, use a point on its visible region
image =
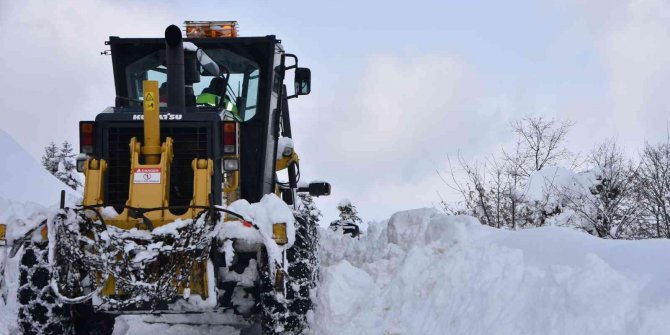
(233, 182)
(94, 170)
(152, 133)
(3, 234)
(285, 161)
(150, 186)
(279, 233)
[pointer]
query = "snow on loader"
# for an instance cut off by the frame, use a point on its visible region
(182, 212)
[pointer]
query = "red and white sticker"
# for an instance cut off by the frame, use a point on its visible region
(147, 176)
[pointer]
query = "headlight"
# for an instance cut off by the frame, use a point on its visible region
(231, 164)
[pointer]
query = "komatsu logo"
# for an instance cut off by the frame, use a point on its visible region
(167, 116)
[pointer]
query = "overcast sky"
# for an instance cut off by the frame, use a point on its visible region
(397, 86)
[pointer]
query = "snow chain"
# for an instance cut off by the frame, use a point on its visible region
(147, 267)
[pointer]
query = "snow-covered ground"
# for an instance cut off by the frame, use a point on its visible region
(423, 272)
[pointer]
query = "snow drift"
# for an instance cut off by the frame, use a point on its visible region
(23, 179)
(423, 272)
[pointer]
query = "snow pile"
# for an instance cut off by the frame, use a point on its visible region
(553, 192)
(544, 185)
(284, 147)
(271, 209)
(23, 179)
(423, 272)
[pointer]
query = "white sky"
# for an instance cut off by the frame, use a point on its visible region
(397, 86)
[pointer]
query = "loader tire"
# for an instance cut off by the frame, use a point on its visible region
(271, 303)
(39, 310)
(303, 274)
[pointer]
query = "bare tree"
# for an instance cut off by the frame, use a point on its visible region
(491, 190)
(540, 143)
(472, 190)
(614, 197)
(516, 176)
(611, 207)
(653, 185)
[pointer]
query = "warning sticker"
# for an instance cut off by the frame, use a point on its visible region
(149, 103)
(147, 176)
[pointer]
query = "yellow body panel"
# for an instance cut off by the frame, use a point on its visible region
(94, 171)
(285, 161)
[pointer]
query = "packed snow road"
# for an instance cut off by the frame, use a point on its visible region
(187, 324)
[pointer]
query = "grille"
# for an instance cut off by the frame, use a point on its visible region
(189, 143)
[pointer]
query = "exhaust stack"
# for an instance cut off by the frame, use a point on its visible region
(174, 49)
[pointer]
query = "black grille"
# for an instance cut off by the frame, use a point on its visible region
(189, 143)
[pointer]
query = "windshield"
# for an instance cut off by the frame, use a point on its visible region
(227, 81)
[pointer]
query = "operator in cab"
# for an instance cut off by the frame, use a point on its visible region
(211, 96)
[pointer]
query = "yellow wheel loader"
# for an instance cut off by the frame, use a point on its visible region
(177, 173)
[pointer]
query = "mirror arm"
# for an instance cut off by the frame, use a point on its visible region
(295, 65)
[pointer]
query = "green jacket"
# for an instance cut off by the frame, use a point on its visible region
(212, 99)
(208, 99)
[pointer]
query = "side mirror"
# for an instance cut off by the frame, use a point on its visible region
(317, 189)
(303, 81)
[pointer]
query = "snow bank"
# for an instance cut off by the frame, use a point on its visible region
(28, 195)
(423, 272)
(23, 179)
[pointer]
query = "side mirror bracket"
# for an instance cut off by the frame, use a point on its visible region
(302, 76)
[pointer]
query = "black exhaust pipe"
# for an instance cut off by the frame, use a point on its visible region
(174, 50)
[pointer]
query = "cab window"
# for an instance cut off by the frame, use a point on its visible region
(228, 82)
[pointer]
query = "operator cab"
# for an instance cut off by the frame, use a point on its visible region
(237, 75)
(239, 131)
